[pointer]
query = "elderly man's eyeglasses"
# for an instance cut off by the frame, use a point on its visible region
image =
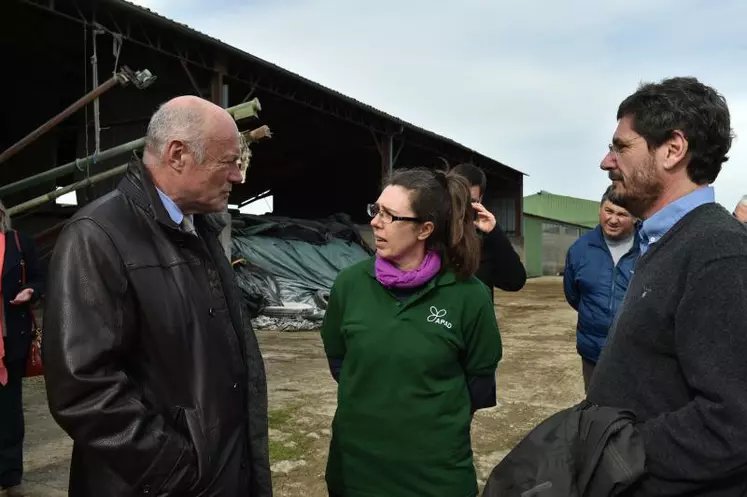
(373, 210)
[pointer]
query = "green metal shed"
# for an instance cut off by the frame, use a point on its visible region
(551, 224)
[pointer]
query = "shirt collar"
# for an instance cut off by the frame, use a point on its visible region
(655, 227)
(173, 210)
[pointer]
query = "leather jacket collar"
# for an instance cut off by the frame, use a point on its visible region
(137, 184)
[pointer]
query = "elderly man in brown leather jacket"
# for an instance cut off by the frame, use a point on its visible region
(150, 366)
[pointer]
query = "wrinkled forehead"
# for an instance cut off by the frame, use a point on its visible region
(223, 145)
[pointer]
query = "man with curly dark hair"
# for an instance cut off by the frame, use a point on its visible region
(676, 355)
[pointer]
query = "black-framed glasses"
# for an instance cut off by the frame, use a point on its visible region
(373, 210)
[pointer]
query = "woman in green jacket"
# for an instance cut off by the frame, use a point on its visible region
(412, 339)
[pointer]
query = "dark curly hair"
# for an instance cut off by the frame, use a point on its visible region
(687, 105)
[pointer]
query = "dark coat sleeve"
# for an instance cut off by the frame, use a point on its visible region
(501, 263)
(261, 476)
(90, 323)
(34, 275)
(482, 392)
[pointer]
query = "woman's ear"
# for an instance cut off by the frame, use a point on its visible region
(425, 230)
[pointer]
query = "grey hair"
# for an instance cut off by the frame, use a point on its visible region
(5, 224)
(175, 122)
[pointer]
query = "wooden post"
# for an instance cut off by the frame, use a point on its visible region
(386, 149)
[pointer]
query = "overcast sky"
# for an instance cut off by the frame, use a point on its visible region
(533, 84)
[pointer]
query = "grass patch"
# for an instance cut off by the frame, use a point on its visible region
(279, 451)
(278, 418)
(292, 444)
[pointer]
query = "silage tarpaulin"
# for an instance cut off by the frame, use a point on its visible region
(303, 256)
(315, 231)
(259, 287)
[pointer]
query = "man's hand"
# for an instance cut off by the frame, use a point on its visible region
(23, 296)
(741, 212)
(485, 221)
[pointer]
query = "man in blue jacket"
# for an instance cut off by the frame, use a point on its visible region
(598, 267)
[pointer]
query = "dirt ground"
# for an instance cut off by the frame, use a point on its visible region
(540, 374)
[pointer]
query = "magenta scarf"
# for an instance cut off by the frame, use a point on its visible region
(392, 277)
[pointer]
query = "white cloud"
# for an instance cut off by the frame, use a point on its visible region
(533, 84)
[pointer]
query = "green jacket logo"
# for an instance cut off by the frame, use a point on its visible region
(437, 317)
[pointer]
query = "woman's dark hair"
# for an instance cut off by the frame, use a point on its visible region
(443, 198)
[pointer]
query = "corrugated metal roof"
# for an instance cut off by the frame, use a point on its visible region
(226, 46)
(570, 210)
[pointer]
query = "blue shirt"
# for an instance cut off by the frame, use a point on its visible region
(657, 225)
(175, 213)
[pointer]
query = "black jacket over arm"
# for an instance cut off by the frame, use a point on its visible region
(585, 450)
(500, 265)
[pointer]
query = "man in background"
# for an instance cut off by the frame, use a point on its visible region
(598, 268)
(500, 265)
(150, 366)
(676, 353)
(740, 211)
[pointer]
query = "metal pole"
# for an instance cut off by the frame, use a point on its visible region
(244, 110)
(48, 197)
(20, 145)
(241, 111)
(96, 108)
(43, 235)
(70, 167)
(141, 79)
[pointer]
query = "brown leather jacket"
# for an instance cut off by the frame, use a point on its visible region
(150, 366)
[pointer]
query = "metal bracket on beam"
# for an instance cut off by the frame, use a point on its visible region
(141, 79)
(191, 78)
(251, 91)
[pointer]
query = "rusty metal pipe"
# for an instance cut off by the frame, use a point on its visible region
(38, 132)
(248, 109)
(141, 79)
(42, 236)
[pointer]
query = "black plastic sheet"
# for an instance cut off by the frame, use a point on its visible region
(301, 257)
(259, 287)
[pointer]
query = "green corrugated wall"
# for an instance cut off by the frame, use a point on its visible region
(533, 246)
(570, 210)
(566, 210)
